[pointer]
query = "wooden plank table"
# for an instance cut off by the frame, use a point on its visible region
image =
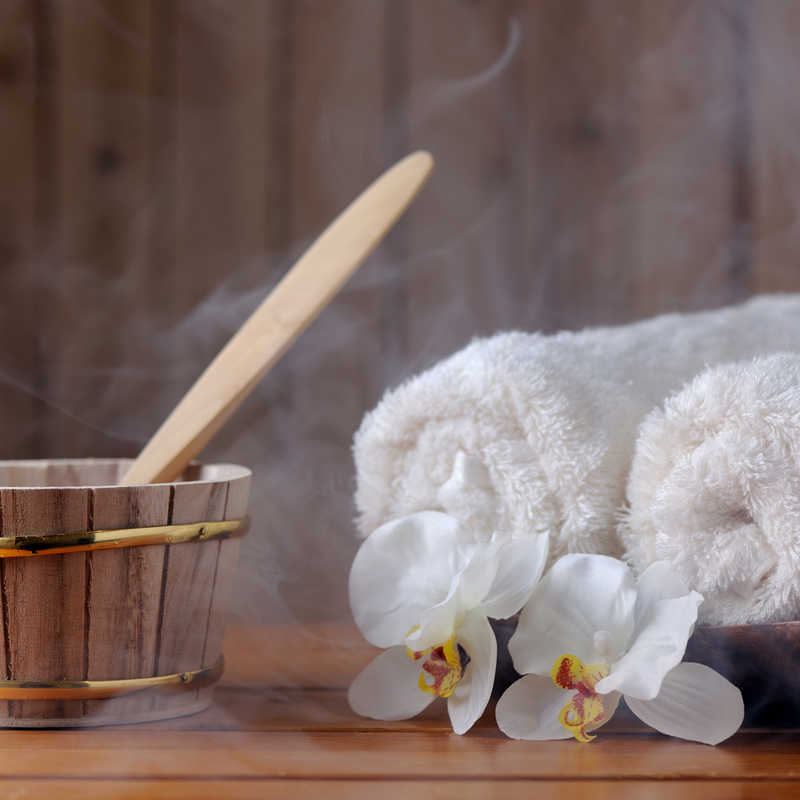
(280, 726)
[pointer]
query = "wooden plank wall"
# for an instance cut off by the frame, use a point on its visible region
(164, 161)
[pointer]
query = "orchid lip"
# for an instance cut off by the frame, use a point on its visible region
(444, 664)
(585, 707)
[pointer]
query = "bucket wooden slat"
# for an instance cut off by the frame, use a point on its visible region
(220, 599)
(113, 614)
(186, 602)
(236, 505)
(44, 640)
(235, 508)
(134, 572)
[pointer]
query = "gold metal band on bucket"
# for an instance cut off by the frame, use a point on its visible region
(11, 546)
(101, 690)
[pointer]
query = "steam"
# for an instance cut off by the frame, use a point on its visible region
(591, 169)
(438, 94)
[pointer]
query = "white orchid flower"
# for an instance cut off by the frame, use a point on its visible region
(590, 634)
(424, 586)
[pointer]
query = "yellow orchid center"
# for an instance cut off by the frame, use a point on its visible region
(445, 664)
(585, 708)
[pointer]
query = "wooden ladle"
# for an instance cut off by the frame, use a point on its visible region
(303, 292)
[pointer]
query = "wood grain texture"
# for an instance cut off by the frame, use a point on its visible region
(220, 63)
(256, 741)
(101, 62)
(43, 598)
(18, 224)
(225, 572)
(459, 69)
(337, 113)
(112, 614)
(217, 184)
(122, 636)
(693, 245)
(448, 789)
(324, 655)
(188, 581)
(188, 585)
(111, 753)
(776, 161)
(579, 75)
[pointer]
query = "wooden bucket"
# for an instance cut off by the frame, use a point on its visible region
(124, 621)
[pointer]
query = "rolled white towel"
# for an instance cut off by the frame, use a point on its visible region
(714, 489)
(530, 433)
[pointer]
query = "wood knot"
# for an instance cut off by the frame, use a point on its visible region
(10, 69)
(107, 159)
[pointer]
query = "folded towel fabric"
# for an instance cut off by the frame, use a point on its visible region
(714, 489)
(529, 433)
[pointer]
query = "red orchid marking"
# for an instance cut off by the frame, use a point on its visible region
(444, 664)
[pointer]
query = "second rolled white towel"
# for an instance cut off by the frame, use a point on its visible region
(714, 489)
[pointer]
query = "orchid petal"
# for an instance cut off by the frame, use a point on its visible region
(657, 582)
(530, 707)
(479, 575)
(694, 703)
(658, 649)
(405, 567)
(520, 567)
(389, 687)
(580, 596)
(437, 624)
(471, 695)
(467, 589)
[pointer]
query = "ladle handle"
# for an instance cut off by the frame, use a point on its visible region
(303, 292)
